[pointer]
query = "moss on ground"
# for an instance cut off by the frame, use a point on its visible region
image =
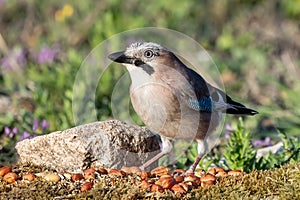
(280, 183)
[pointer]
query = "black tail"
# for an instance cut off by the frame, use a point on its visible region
(238, 108)
(241, 110)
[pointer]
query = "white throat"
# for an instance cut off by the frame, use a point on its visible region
(138, 76)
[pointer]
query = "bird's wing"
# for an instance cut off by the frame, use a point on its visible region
(215, 101)
(220, 101)
(208, 98)
(189, 88)
(199, 95)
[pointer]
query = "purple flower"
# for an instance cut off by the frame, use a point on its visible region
(35, 124)
(2, 1)
(45, 125)
(15, 130)
(257, 143)
(47, 54)
(10, 133)
(15, 60)
(25, 136)
(6, 130)
(228, 131)
(262, 143)
(268, 141)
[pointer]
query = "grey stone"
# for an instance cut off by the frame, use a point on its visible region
(111, 144)
(273, 149)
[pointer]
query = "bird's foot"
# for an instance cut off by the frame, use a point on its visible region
(192, 168)
(142, 167)
(187, 172)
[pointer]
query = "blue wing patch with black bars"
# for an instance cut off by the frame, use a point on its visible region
(203, 104)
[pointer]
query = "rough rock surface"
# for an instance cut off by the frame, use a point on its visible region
(110, 144)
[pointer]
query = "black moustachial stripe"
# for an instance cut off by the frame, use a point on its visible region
(147, 68)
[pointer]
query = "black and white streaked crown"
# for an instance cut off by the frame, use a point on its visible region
(144, 45)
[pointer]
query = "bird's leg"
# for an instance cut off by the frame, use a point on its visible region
(165, 149)
(202, 147)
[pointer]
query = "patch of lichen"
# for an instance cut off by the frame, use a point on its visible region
(28, 168)
(116, 188)
(280, 183)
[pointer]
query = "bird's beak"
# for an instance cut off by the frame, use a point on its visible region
(120, 57)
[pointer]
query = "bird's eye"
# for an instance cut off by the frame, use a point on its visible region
(148, 53)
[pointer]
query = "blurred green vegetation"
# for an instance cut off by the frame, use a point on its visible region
(254, 43)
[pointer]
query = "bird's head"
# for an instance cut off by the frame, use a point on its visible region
(146, 56)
